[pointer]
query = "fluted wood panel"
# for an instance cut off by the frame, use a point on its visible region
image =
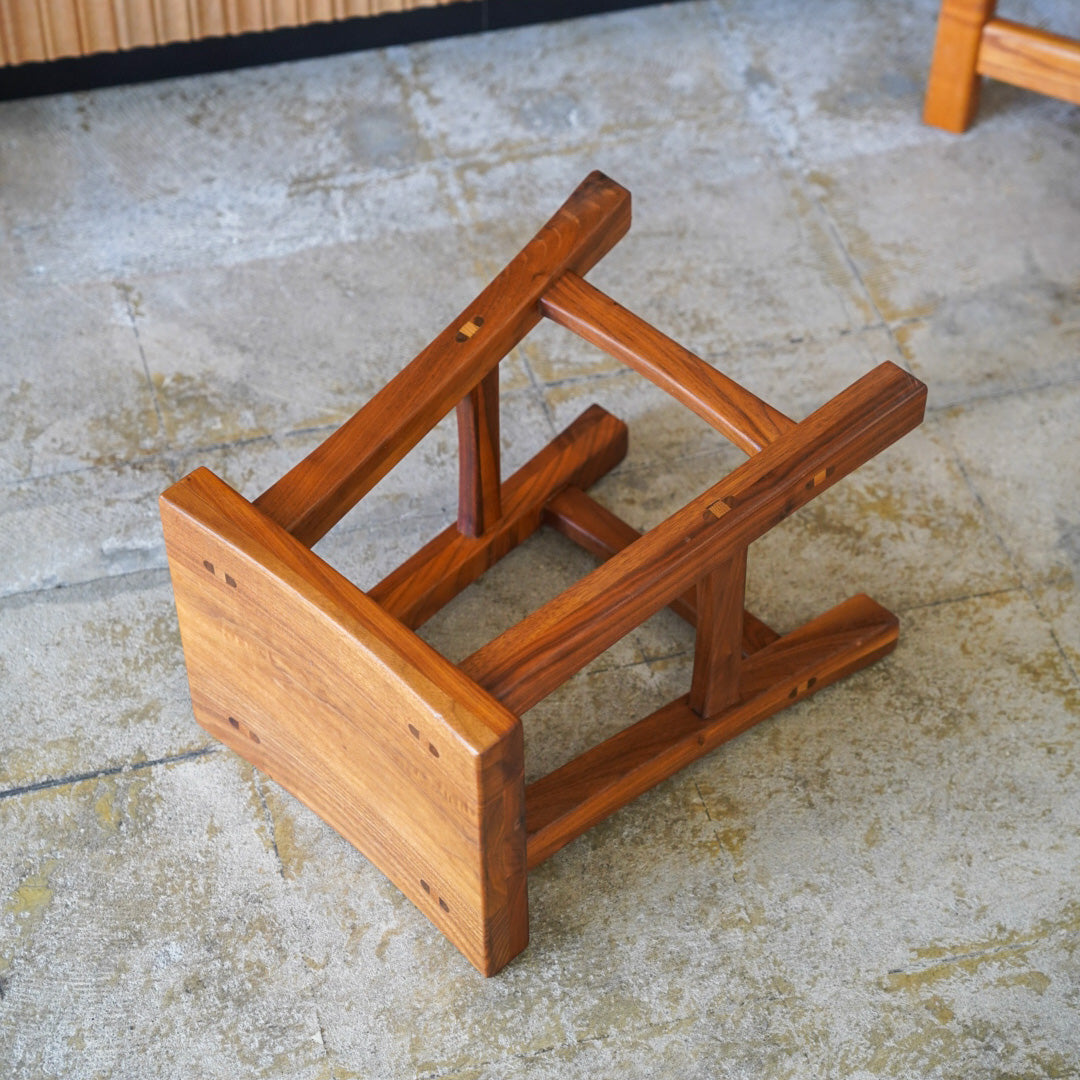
(51, 29)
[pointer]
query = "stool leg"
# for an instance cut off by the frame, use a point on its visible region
(479, 479)
(952, 91)
(718, 646)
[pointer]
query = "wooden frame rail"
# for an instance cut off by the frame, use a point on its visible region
(420, 762)
(972, 43)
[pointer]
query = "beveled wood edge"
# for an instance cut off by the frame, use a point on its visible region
(589, 447)
(209, 499)
(601, 532)
(739, 415)
(470, 723)
(309, 499)
(567, 802)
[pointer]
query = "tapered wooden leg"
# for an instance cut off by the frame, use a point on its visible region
(591, 446)
(718, 646)
(479, 480)
(952, 92)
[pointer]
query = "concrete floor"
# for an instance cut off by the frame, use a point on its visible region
(883, 881)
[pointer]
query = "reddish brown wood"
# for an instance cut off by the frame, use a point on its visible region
(578, 516)
(745, 419)
(591, 446)
(317, 493)
(718, 644)
(573, 798)
(479, 475)
(420, 762)
(526, 662)
(295, 669)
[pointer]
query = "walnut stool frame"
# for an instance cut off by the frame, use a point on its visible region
(419, 762)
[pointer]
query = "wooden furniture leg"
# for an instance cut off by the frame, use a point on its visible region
(420, 762)
(972, 43)
(952, 93)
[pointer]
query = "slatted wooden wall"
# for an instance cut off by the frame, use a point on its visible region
(51, 29)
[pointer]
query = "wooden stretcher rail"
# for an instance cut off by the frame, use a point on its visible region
(591, 446)
(312, 497)
(1030, 58)
(525, 663)
(971, 43)
(573, 798)
(579, 517)
(745, 419)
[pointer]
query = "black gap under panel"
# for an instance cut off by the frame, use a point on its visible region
(294, 43)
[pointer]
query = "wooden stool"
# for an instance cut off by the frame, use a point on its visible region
(971, 43)
(420, 762)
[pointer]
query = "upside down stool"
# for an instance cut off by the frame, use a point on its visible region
(419, 762)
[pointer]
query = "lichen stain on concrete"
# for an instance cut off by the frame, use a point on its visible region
(20, 765)
(26, 909)
(1048, 672)
(903, 334)
(1009, 948)
(939, 1010)
(119, 803)
(914, 1044)
(20, 405)
(116, 800)
(132, 300)
(879, 264)
(930, 1049)
(1032, 980)
(864, 515)
(108, 814)
(33, 894)
(222, 412)
(129, 431)
(872, 836)
(291, 852)
(830, 258)
(385, 940)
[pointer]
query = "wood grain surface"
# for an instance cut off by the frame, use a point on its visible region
(952, 89)
(529, 660)
(1031, 58)
(573, 798)
(591, 446)
(744, 418)
(314, 495)
(299, 672)
(420, 763)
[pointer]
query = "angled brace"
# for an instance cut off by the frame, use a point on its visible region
(419, 762)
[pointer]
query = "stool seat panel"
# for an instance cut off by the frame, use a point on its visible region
(294, 668)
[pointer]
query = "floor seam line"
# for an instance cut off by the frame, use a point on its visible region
(117, 770)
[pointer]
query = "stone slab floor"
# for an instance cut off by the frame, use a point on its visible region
(883, 881)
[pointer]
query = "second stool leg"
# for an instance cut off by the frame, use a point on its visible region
(480, 481)
(718, 646)
(952, 91)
